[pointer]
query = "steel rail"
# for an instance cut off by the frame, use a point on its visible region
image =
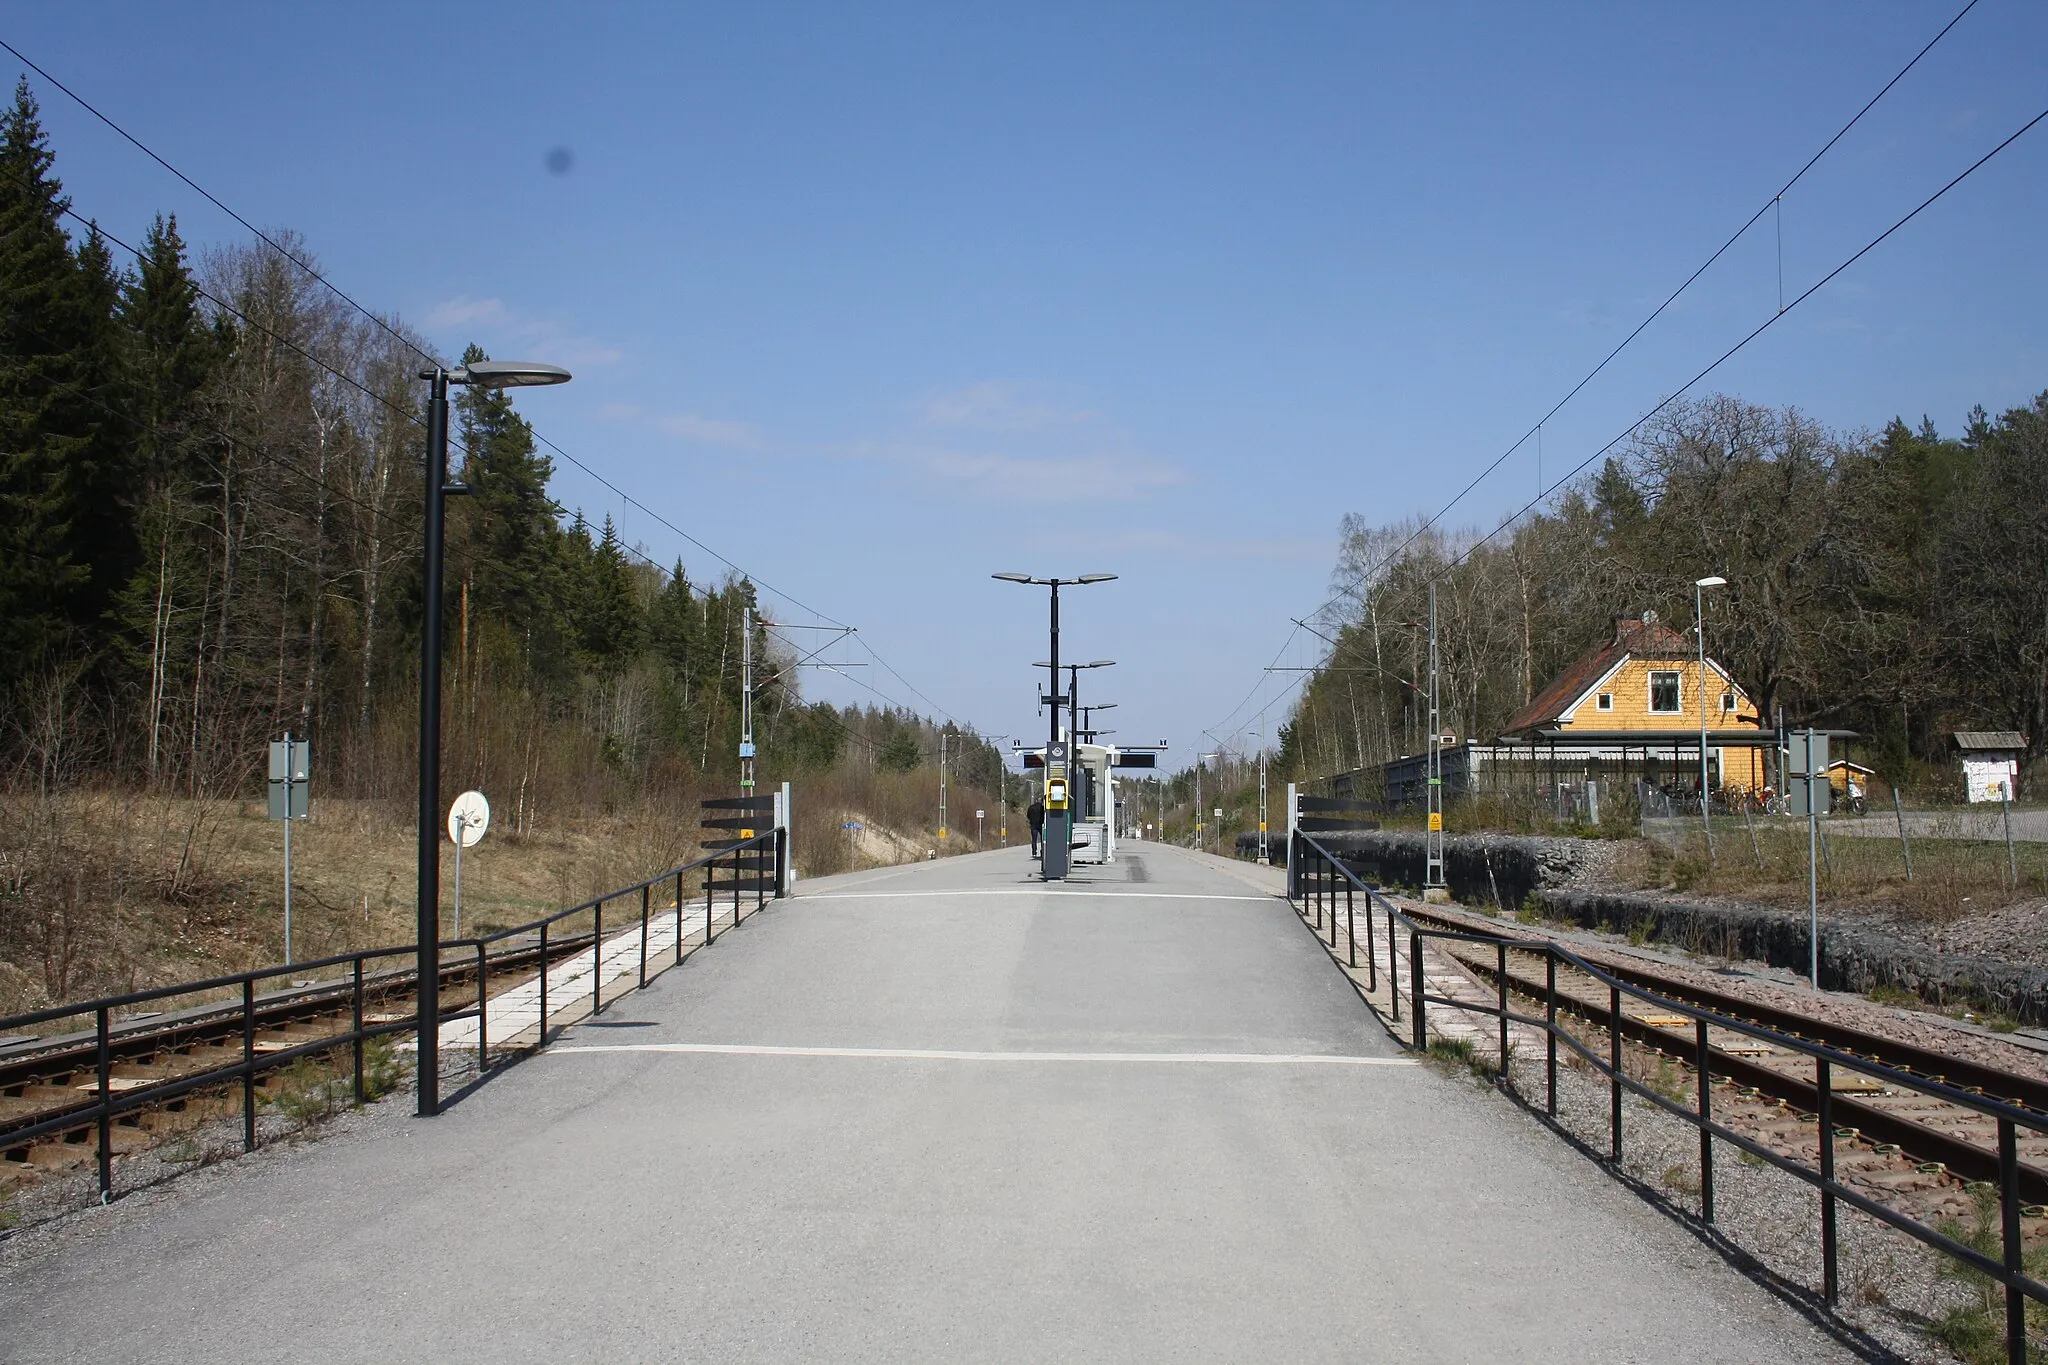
(2025, 1091)
(1316, 872)
(210, 1024)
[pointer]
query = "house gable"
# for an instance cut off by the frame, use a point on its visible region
(1622, 669)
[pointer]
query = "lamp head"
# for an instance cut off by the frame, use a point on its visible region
(508, 374)
(1096, 578)
(1713, 581)
(1012, 577)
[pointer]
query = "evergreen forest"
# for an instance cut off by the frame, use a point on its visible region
(210, 536)
(1893, 583)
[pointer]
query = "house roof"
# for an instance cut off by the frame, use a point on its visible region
(1990, 739)
(1650, 639)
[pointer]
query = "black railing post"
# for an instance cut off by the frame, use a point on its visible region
(2009, 1208)
(1824, 1088)
(483, 1009)
(762, 852)
(1614, 1069)
(1420, 1010)
(1350, 928)
(356, 1020)
(1501, 996)
(679, 919)
(106, 1125)
(709, 883)
(1372, 964)
(248, 1063)
(542, 1040)
(596, 958)
(646, 908)
(1393, 967)
(1706, 1132)
(1550, 1026)
(735, 887)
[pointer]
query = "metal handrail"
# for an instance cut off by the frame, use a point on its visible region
(107, 1106)
(1315, 862)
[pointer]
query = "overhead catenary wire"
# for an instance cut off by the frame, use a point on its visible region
(382, 323)
(1545, 491)
(1774, 202)
(91, 225)
(1758, 331)
(626, 499)
(1720, 360)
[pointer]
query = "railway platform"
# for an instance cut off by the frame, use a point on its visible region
(942, 1111)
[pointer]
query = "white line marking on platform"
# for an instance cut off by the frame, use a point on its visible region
(943, 1055)
(1022, 891)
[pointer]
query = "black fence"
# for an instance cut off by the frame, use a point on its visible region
(122, 1027)
(1328, 889)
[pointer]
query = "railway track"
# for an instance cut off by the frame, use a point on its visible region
(47, 1077)
(1898, 1142)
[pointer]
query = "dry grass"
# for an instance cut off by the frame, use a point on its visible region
(106, 891)
(1766, 862)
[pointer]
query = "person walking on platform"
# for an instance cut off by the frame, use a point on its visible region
(1035, 813)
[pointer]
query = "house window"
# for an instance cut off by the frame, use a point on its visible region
(1605, 702)
(1727, 701)
(1664, 694)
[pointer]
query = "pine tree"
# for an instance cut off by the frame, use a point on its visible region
(610, 620)
(42, 437)
(172, 352)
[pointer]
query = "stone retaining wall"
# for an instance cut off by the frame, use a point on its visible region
(1503, 871)
(1851, 958)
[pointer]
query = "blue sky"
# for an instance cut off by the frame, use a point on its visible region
(879, 300)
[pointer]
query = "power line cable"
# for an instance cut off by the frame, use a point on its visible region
(1726, 355)
(1774, 201)
(1760, 329)
(206, 194)
(412, 345)
(379, 321)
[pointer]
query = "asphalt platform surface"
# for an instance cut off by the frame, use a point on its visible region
(942, 1112)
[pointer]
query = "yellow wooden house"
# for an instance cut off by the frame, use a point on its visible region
(1642, 693)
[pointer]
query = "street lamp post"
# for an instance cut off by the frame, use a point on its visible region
(1699, 625)
(1054, 867)
(485, 374)
(1200, 759)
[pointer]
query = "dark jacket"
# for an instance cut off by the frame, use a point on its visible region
(1035, 813)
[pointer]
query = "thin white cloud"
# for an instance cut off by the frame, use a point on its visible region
(503, 330)
(997, 405)
(1016, 443)
(689, 427)
(455, 314)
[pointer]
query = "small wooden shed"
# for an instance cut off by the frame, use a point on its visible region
(1850, 779)
(1991, 763)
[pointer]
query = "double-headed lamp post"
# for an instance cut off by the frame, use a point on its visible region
(484, 374)
(1055, 866)
(1699, 625)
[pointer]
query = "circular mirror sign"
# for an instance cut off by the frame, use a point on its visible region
(468, 818)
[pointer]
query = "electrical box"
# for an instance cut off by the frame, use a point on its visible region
(1806, 773)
